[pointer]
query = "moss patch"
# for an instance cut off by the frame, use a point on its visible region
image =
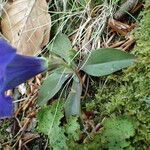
(4, 135)
(129, 94)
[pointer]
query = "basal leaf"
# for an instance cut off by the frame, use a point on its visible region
(51, 85)
(61, 46)
(106, 61)
(72, 105)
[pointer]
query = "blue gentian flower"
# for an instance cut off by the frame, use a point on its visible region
(14, 70)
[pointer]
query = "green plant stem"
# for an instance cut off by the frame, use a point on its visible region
(54, 62)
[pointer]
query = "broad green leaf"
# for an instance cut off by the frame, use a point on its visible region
(61, 46)
(106, 61)
(51, 85)
(49, 120)
(72, 105)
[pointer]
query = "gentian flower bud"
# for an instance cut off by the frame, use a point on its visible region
(14, 70)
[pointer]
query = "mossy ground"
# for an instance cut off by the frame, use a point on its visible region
(128, 93)
(5, 135)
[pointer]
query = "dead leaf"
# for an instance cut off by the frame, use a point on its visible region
(120, 27)
(26, 24)
(7, 147)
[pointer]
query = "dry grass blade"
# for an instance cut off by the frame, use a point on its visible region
(26, 24)
(120, 27)
(88, 35)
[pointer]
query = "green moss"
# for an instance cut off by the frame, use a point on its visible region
(129, 94)
(4, 135)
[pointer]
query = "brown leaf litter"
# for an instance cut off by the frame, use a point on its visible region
(26, 24)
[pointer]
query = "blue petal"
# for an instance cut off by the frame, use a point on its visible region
(16, 69)
(6, 106)
(22, 68)
(7, 53)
